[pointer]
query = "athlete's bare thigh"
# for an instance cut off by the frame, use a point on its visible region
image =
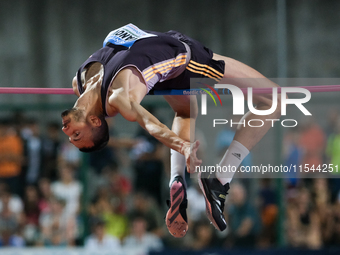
(243, 76)
(236, 69)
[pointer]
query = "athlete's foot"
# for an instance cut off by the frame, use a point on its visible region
(215, 194)
(176, 217)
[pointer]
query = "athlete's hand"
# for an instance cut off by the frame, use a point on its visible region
(189, 150)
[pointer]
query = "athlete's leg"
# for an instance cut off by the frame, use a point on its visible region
(247, 137)
(236, 70)
(215, 189)
(185, 108)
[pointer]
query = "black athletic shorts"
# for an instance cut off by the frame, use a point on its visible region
(201, 65)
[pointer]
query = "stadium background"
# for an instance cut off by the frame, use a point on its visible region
(42, 43)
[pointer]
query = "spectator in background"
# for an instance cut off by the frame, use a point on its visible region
(107, 155)
(303, 222)
(243, 218)
(18, 120)
(11, 157)
(68, 189)
(203, 236)
(144, 205)
(99, 240)
(335, 240)
(332, 122)
(68, 154)
(57, 227)
(12, 203)
(111, 153)
(50, 146)
(313, 141)
(119, 186)
(292, 155)
(100, 159)
(333, 154)
(11, 218)
(321, 197)
(333, 146)
(9, 238)
(105, 206)
(31, 205)
(268, 212)
(140, 239)
(33, 151)
(45, 194)
(148, 154)
(31, 214)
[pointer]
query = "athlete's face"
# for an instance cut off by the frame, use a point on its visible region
(77, 128)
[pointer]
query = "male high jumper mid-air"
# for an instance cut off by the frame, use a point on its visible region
(134, 62)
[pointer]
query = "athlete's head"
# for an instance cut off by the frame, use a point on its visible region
(88, 133)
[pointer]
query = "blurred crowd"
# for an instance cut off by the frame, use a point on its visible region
(313, 192)
(118, 201)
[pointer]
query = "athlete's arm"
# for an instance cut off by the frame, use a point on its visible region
(133, 111)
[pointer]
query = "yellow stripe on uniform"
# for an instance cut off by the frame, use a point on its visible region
(203, 73)
(204, 70)
(217, 73)
(164, 67)
(165, 70)
(172, 63)
(152, 68)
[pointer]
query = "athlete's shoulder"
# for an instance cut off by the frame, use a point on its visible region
(129, 78)
(75, 86)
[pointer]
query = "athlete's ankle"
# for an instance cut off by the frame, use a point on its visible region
(177, 166)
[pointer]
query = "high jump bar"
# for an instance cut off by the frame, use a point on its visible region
(69, 91)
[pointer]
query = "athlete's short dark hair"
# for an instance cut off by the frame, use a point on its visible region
(100, 137)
